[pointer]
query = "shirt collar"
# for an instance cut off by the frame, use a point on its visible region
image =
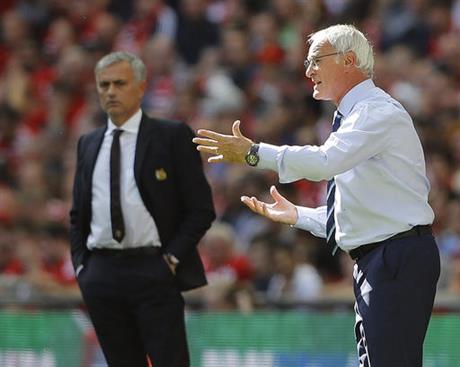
(354, 95)
(131, 125)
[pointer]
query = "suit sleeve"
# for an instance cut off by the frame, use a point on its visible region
(195, 194)
(77, 247)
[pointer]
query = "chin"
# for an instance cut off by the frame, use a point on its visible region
(317, 95)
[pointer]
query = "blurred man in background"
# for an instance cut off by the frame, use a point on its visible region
(141, 203)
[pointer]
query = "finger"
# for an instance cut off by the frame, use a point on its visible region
(258, 205)
(216, 159)
(202, 141)
(247, 201)
(204, 149)
(212, 134)
(236, 129)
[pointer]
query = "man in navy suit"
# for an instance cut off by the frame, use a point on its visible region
(140, 205)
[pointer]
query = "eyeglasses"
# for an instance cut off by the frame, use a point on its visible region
(313, 62)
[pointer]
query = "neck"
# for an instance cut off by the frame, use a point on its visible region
(352, 82)
(120, 120)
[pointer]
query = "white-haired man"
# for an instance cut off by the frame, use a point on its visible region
(377, 199)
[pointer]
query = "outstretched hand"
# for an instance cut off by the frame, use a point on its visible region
(282, 210)
(224, 148)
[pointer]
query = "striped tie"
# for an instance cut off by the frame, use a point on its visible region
(330, 222)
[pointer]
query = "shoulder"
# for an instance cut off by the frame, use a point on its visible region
(166, 126)
(92, 135)
(377, 108)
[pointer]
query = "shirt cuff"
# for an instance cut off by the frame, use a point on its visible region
(267, 156)
(311, 219)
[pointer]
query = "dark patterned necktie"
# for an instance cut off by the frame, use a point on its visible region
(330, 221)
(116, 215)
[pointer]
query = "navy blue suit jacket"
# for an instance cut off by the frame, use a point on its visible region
(169, 175)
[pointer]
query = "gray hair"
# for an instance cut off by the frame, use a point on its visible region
(344, 38)
(139, 70)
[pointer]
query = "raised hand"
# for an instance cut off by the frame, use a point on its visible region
(282, 210)
(224, 148)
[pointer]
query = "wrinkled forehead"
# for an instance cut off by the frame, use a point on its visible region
(318, 48)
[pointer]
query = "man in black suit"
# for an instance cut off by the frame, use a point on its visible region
(141, 203)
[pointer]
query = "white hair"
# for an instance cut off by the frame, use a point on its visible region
(344, 38)
(139, 70)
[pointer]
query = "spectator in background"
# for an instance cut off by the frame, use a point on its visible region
(9, 121)
(453, 278)
(10, 264)
(47, 266)
(293, 281)
(149, 17)
(260, 257)
(449, 238)
(167, 76)
(227, 270)
(195, 32)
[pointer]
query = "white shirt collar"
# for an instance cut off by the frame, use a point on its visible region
(131, 125)
(354, 95)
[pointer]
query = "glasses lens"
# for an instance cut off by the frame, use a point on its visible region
(307, 63)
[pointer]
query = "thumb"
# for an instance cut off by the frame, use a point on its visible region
(236, 129)
(275, 194)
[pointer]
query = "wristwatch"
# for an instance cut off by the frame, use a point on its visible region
(252, 158)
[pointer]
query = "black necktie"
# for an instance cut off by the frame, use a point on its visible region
(116, 215)
(330, 222)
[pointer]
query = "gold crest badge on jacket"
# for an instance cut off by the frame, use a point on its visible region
(160, 174)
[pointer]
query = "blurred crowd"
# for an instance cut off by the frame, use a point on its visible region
(209, 63)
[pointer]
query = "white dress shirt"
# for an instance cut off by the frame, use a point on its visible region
(377, 160)
(140, 228)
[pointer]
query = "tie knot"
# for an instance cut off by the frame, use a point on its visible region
(117, 133)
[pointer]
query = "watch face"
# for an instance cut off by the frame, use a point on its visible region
(252, 159)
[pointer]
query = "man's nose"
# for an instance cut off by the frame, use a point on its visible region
(111, 89)
(308, 71)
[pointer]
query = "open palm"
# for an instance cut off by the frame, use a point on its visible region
(282, 210)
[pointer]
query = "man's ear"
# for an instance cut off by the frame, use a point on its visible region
(350, 59)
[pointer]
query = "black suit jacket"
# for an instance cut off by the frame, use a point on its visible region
(169, 175)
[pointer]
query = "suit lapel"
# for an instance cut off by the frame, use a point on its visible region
(144, 137)
(92, 150)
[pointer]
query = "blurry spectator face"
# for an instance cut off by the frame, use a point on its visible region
(219, 250)
(193, 8)
(120, 94)
(260, 258)
(61, 35)
(235, 48)
(6, 251)
(144, 7)
(13, 28)
(160, 55)
(284, 262)
(326, 72)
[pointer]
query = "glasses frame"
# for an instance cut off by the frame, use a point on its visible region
(314, 60)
